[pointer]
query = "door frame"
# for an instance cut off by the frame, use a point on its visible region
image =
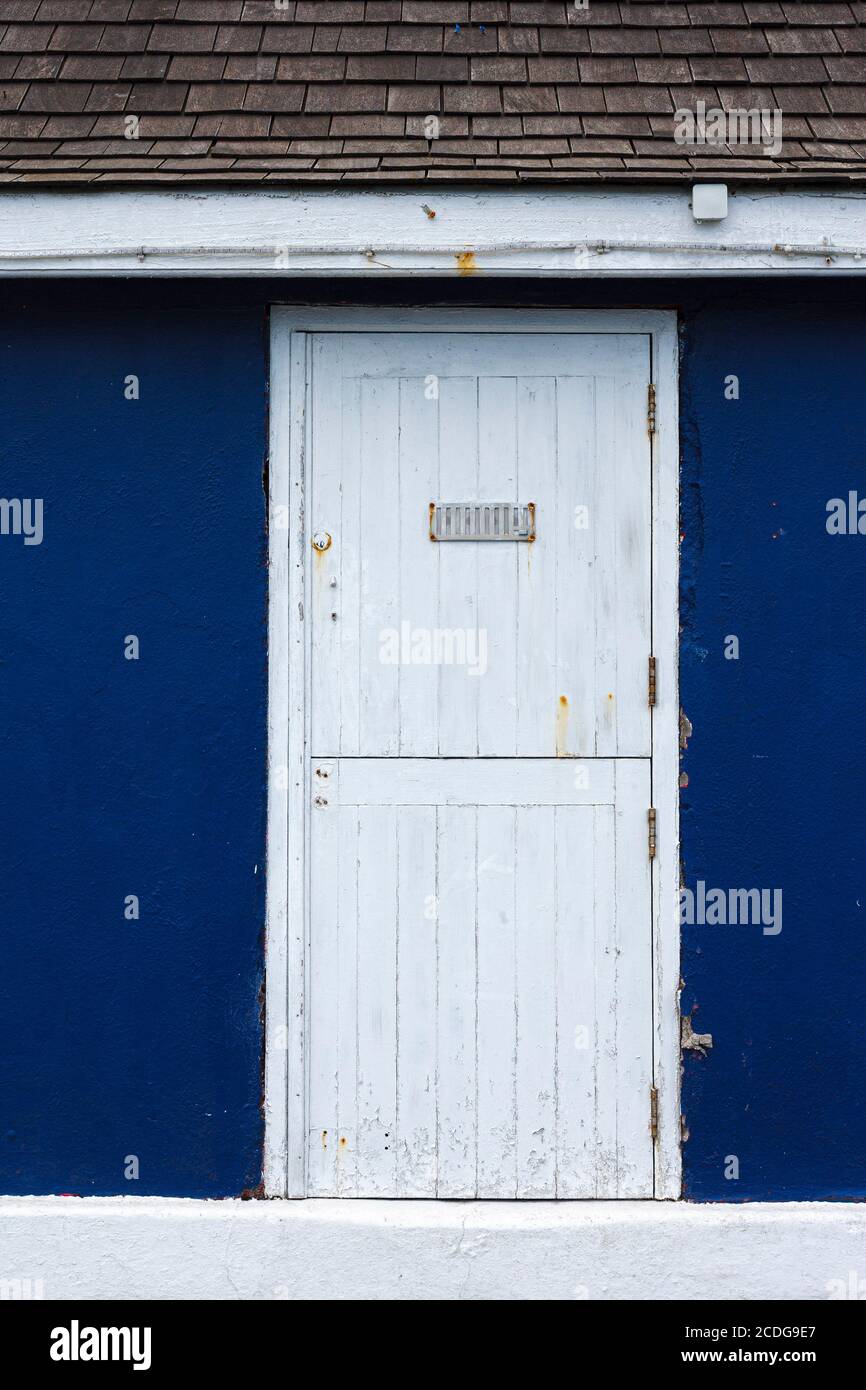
(287, 955)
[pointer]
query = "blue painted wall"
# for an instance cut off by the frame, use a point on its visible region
(128, 777)
(147, 777)
(777, 759)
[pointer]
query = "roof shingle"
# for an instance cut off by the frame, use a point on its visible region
(356, 90)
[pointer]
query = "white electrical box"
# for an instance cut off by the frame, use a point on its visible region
(709, 202)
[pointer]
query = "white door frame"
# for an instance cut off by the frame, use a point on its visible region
(288, 707)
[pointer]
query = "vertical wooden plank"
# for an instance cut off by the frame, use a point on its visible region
(576, 1002)
(536, 1003)
(573, 593)
(377, 1001)
(497, 570)
(604, 539)
(607, 1019)
(540, 715)
(416, 1002)
(379, 579)
(497, 1023)
(325, 516)
(419, 567)
(458, 563)
(345, 984)
(630, 566)
(622, 565)
(456, 1042)
(346, 598)
(634, 1022)
(323, 992)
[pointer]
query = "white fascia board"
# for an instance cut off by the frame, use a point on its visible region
(168, 1248)
(580, 232)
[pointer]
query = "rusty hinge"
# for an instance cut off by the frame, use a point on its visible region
(651, 681)
(651, 409)
(651, 831)
(654, 1112)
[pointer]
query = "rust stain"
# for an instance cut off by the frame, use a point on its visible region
(562, 713)
(466, 263)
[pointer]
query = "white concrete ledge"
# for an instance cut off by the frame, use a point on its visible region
(140, 1247)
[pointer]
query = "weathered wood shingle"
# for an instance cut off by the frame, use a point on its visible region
(352, 90)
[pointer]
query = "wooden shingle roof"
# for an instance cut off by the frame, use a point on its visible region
(229, 91)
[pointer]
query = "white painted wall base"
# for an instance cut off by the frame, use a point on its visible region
(145, 1247)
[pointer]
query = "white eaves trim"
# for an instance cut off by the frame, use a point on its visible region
(577, 232)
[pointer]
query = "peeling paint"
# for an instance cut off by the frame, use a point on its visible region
(685, 729)
(691, 1041)
(466, 264)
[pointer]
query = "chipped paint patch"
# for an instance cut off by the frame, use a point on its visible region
(685, 729)
(466, 264)
(690, 1041)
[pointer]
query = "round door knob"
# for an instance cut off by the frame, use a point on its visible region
(321, 541)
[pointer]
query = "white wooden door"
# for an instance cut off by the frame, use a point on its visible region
(480, 998)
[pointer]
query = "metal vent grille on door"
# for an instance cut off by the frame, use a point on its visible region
(482, 521)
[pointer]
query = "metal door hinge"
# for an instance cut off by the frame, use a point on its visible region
(651, 409)
(651, 681)
(651, 831)
(654, 1112)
